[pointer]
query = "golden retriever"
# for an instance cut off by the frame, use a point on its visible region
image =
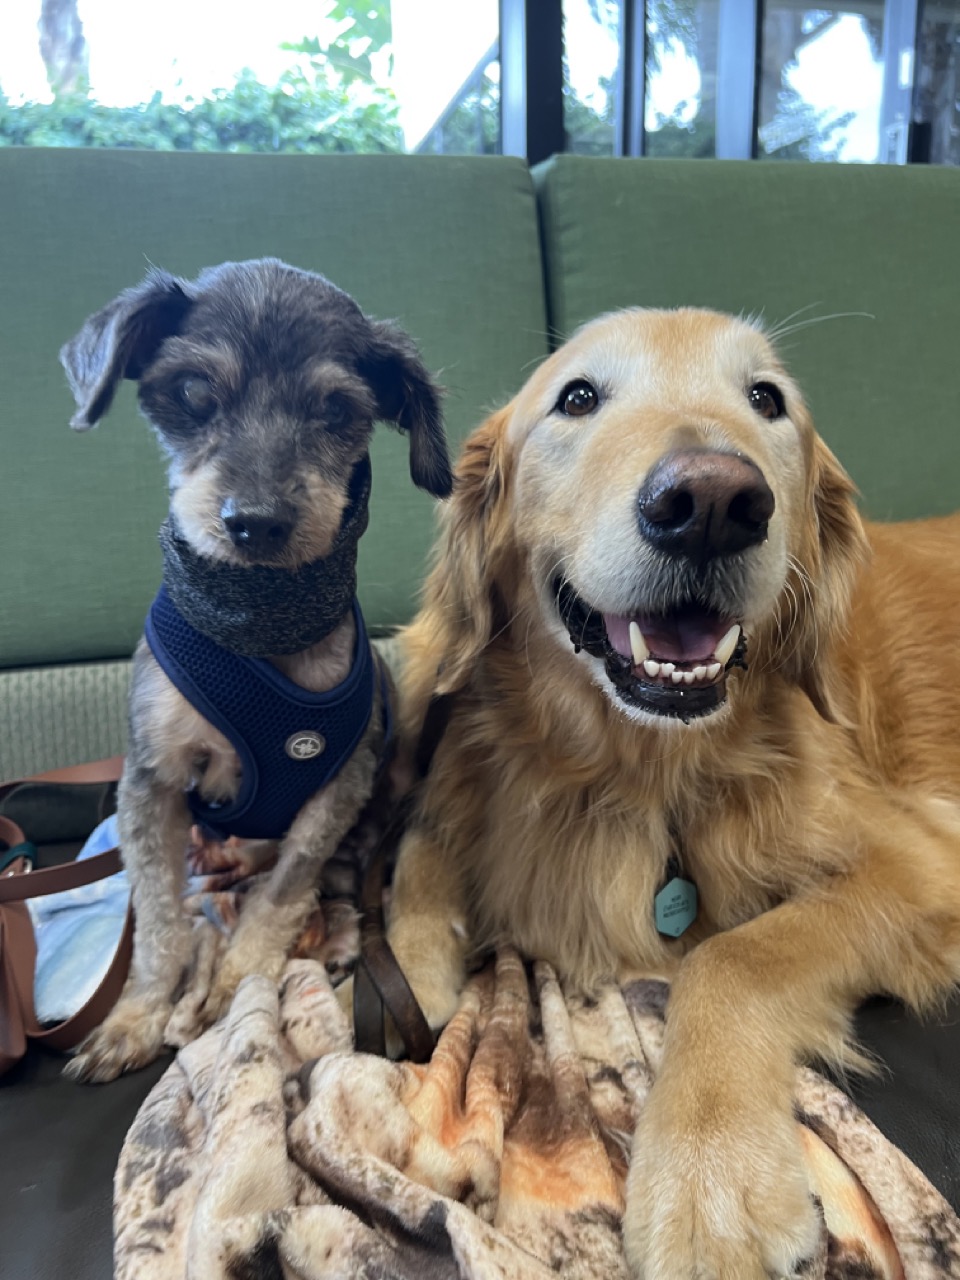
(673, 642)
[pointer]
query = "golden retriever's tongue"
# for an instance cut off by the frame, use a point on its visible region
(688, 635)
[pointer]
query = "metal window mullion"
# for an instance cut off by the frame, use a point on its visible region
(632, 95)
(531, 78)
(901, 29)
(738, 61)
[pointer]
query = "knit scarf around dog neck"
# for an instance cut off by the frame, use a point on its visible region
(260, 611)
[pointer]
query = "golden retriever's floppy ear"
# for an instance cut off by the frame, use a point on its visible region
(833, 558)
(461, 606)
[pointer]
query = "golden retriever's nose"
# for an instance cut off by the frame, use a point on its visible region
(703, 503)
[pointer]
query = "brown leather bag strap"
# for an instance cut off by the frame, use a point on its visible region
(18, 955)
(18, 952)
(67, 875)
(106, 770)
(68, 1034)
(16, 885)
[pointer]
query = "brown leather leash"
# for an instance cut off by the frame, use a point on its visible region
(18, 947)
(379, 984)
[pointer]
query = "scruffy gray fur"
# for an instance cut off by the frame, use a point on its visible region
(262, 383)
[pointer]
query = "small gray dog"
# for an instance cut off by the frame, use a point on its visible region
(257, 705)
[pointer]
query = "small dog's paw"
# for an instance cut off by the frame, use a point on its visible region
(187, 1021)
(130, 1038)
(238, 963)
(732, 1204)
(217, 1001)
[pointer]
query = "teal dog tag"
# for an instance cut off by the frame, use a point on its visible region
(675, 907)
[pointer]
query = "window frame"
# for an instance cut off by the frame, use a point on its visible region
(531, 61)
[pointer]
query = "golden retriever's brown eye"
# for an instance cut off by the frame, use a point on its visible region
(198, 396)
(767, 400)
(577, 399)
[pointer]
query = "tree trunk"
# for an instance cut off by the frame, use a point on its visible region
(63, 46)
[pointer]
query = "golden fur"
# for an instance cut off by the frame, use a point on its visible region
(817, 812)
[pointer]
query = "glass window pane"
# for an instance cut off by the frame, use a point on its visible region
(591, 69)
(937, 101)
(680, 113)
(821, 86)
(215, 75)
(447, 74)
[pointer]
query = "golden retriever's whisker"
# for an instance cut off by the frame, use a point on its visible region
(495, 635)
(526, 649)
(778, 326)
(806, 324)
(801, 609)
(789, 627)
(551, 333)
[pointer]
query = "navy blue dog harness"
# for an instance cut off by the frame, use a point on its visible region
(290, 742)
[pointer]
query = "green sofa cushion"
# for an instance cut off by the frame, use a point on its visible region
(445, 245)
(782, 238)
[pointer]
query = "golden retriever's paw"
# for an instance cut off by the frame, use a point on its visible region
(709, 1207)
(130, 1038)
(432, 955)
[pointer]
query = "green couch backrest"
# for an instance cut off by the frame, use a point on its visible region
(446, 246)
(811, 240)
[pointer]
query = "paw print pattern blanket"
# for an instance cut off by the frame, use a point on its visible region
(270, 1149)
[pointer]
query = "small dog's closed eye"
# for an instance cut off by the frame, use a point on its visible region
(263, 383)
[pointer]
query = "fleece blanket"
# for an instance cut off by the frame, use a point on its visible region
(270, 1149)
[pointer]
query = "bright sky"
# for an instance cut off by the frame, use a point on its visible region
(187, 47)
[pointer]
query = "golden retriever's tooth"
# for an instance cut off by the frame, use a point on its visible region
(713, 670)
(638, 645)
(699, 673)
(688, 677)
(667, 668)
(676, 677)
(724, 650)
(650, 667)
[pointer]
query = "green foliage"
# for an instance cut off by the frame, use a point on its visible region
(671, 140)
(361, 29)
(329, 102)
(589, 131)
(307, 110)
(668, 22)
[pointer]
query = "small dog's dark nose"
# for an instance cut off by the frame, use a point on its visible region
(258, 530)
(703, 503)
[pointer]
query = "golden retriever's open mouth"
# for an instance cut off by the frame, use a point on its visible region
(671, 664)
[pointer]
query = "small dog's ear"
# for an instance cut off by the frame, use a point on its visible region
(408, 396)
(119, 341)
